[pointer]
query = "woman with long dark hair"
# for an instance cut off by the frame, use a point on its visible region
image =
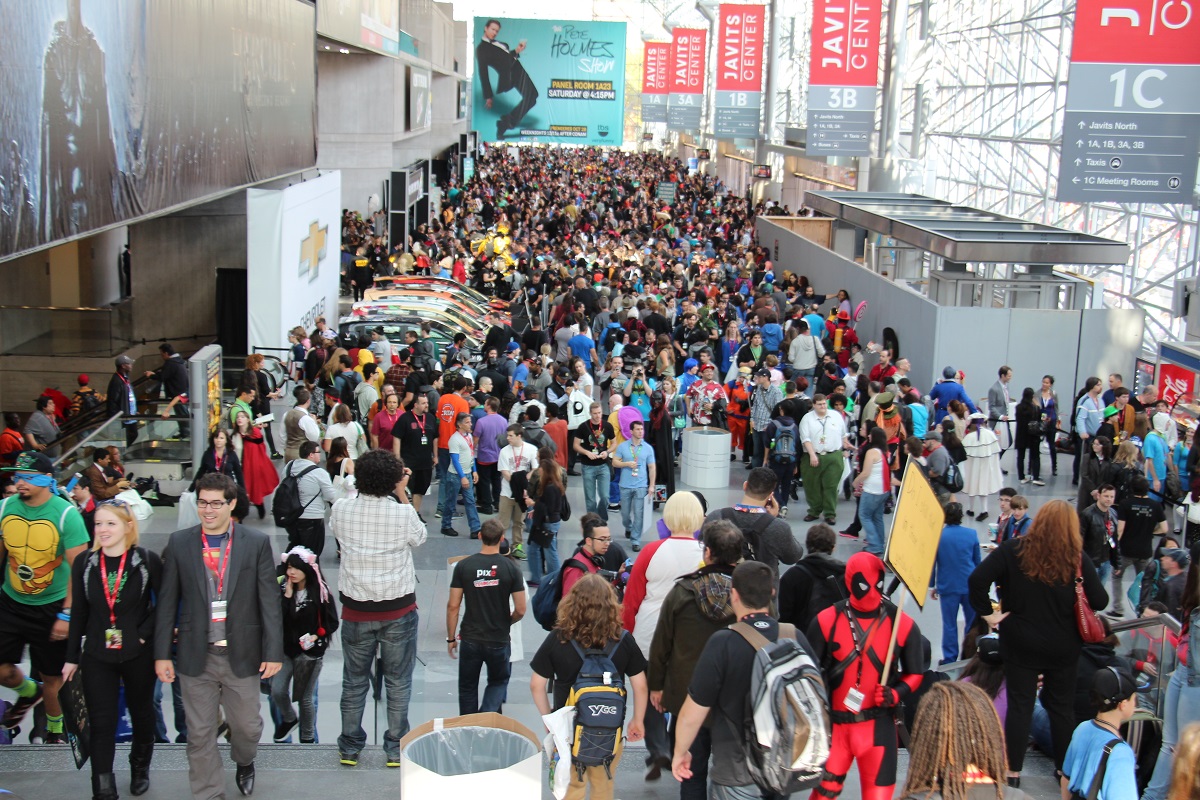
(114, 586)
(1094, 471)
(1039, 635)
(1051, 421)
(219, 457)
(874, 481)
(546, 489)
(589, 617)
(1028, 438)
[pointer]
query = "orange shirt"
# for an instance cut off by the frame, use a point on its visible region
(449, 406)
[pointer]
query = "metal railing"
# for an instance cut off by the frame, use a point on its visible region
(65, 331)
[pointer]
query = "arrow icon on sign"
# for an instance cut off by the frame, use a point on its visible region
(1078, 161)
(1079, 142)
(1074, 180)
(1081, 124)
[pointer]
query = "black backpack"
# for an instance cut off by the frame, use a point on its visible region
(286, 508)
(751, 534)
(824, 593)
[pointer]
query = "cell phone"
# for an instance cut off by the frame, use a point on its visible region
(74, 481)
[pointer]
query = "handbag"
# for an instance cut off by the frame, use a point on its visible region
(1091, 630)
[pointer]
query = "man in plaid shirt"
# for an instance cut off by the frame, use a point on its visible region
(377, 583)
(763, 400)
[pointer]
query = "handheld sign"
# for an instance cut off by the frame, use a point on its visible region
(916, 530)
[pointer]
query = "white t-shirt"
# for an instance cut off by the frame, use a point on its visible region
(515, 461)
(356, 443)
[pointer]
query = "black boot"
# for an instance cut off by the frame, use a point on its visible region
(104, 786)
(139, 767)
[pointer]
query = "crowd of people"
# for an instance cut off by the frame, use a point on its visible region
(629, 321)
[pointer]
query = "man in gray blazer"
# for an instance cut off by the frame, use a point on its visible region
(998, 399)
(219, 590)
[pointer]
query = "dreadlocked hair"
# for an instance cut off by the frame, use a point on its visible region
(956, 728)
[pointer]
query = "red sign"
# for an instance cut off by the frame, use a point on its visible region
(688, 46)
(657, 71)
(1136, 32)
(1175, 383)
(740, 48)
(845, 43)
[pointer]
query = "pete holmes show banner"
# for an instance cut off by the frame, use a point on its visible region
(656, 81)
(686, 101)
(740, 31)
(549, 81)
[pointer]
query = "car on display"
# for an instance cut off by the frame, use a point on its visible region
(460, 318)
(398, 285)
(354, 327)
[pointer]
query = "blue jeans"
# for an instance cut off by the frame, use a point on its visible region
(442, 468)
(1104, 572)
(632, 506)
(785, 473)
(396, 643)
(595, 479)
(451, 505)
(870, 514)
(160, 725)
(1182, 707)
(534, 553)
(762, 446)
(811, 374)
(298, 678)
(472, 656)
(950, 605)
(614, 486)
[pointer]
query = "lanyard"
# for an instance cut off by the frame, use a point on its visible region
(111, 598)
(225, 563)
(859, 649)
(422, 418)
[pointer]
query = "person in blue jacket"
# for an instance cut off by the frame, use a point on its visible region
(958, 554)
(947, 389)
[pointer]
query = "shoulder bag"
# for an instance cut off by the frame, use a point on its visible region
(1091, 630)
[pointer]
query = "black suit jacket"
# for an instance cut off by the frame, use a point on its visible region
(254, 628)
(488, 55)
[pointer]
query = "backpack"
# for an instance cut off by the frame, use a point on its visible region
(953, 479)
(287, 508)
(598, 695)
(346, 394)
(787, 731)
(825, 592)
(785, 443)
(549, 595)
(751, 533)
(1145, 589)
(84, 402)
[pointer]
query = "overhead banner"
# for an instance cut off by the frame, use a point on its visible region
(104, 119)
(656, 81)
(549, 81)
(685, 103)
(369, 24)
(1131, 132)
(293, 250)
(738, 106)
(843, 77)
(420, 101)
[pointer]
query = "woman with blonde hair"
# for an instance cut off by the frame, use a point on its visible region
(654, 574)
(664, 356)
(589, 618)
(957, 747)
(1185, 775)
(112, 637)
(1035, 575)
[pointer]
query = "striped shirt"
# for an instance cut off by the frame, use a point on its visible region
(762, 403)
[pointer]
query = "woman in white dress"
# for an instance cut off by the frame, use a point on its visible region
(981, 470)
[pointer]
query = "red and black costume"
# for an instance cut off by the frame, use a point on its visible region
(850, 640)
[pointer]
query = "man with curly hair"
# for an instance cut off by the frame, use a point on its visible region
(377, 530)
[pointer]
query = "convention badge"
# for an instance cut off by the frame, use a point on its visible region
(424, 440)
(854, 700)
(112, 639)
(219, 612)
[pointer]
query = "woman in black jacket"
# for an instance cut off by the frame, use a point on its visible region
(1028, 438)
(112, 589)
(219, 457)
(1035, 578)
(547, 485)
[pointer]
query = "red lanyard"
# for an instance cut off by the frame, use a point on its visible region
(225, 562)
(111, 598)
(421, 417)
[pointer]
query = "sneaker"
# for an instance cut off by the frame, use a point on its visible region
(1038, 482)
(393, 760)
(614, 506)
(518, 552)
(56, 738)
(449, 532)
(474, 534)
(18, 710)
(783, 512)
(636, 547)
(810, 517)
(1026, 480)
(628, 534)
(1114, 615)
(831, 521)
(349, 759)
(847, 535)
(655, 767)
(284, 729)
(982, 517)
(438, 513)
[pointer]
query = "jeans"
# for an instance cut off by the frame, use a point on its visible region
(303, 670)
(595, 478)
(811, 374)
(1182, 707)
(870, 513)
(442, 468)
(696, 787)
(657, 743)
(180, 715)
(785, 473)
(534, 552)
(614, 486)
(1104, 572)
(1118, 578)
(951, 603)
(632, 506)
(308, 533)
(472, 656)
(396, 643)
(468, 496)
(762, 446)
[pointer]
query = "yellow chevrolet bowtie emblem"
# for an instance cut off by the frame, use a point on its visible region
(312, 250)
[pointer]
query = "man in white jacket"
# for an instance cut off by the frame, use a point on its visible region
(805, 354)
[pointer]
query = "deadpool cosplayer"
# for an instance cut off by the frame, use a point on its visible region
(850, 640)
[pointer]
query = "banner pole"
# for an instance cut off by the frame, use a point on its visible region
(887, 663)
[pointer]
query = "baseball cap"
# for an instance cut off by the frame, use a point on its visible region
(708, 366)
(32, 461)
(1114, 684)
(82, 380)
(480, 397)
(513, 347)
(933, 436)
(744, 370)
(124, 361)
(1178, 555)
(563, 372)
(762, 372)
(989, 649)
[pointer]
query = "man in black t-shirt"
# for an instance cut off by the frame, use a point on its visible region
(488, 582)
(721, 681)
(593, 443)
(1139, 520)
(414, 439)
